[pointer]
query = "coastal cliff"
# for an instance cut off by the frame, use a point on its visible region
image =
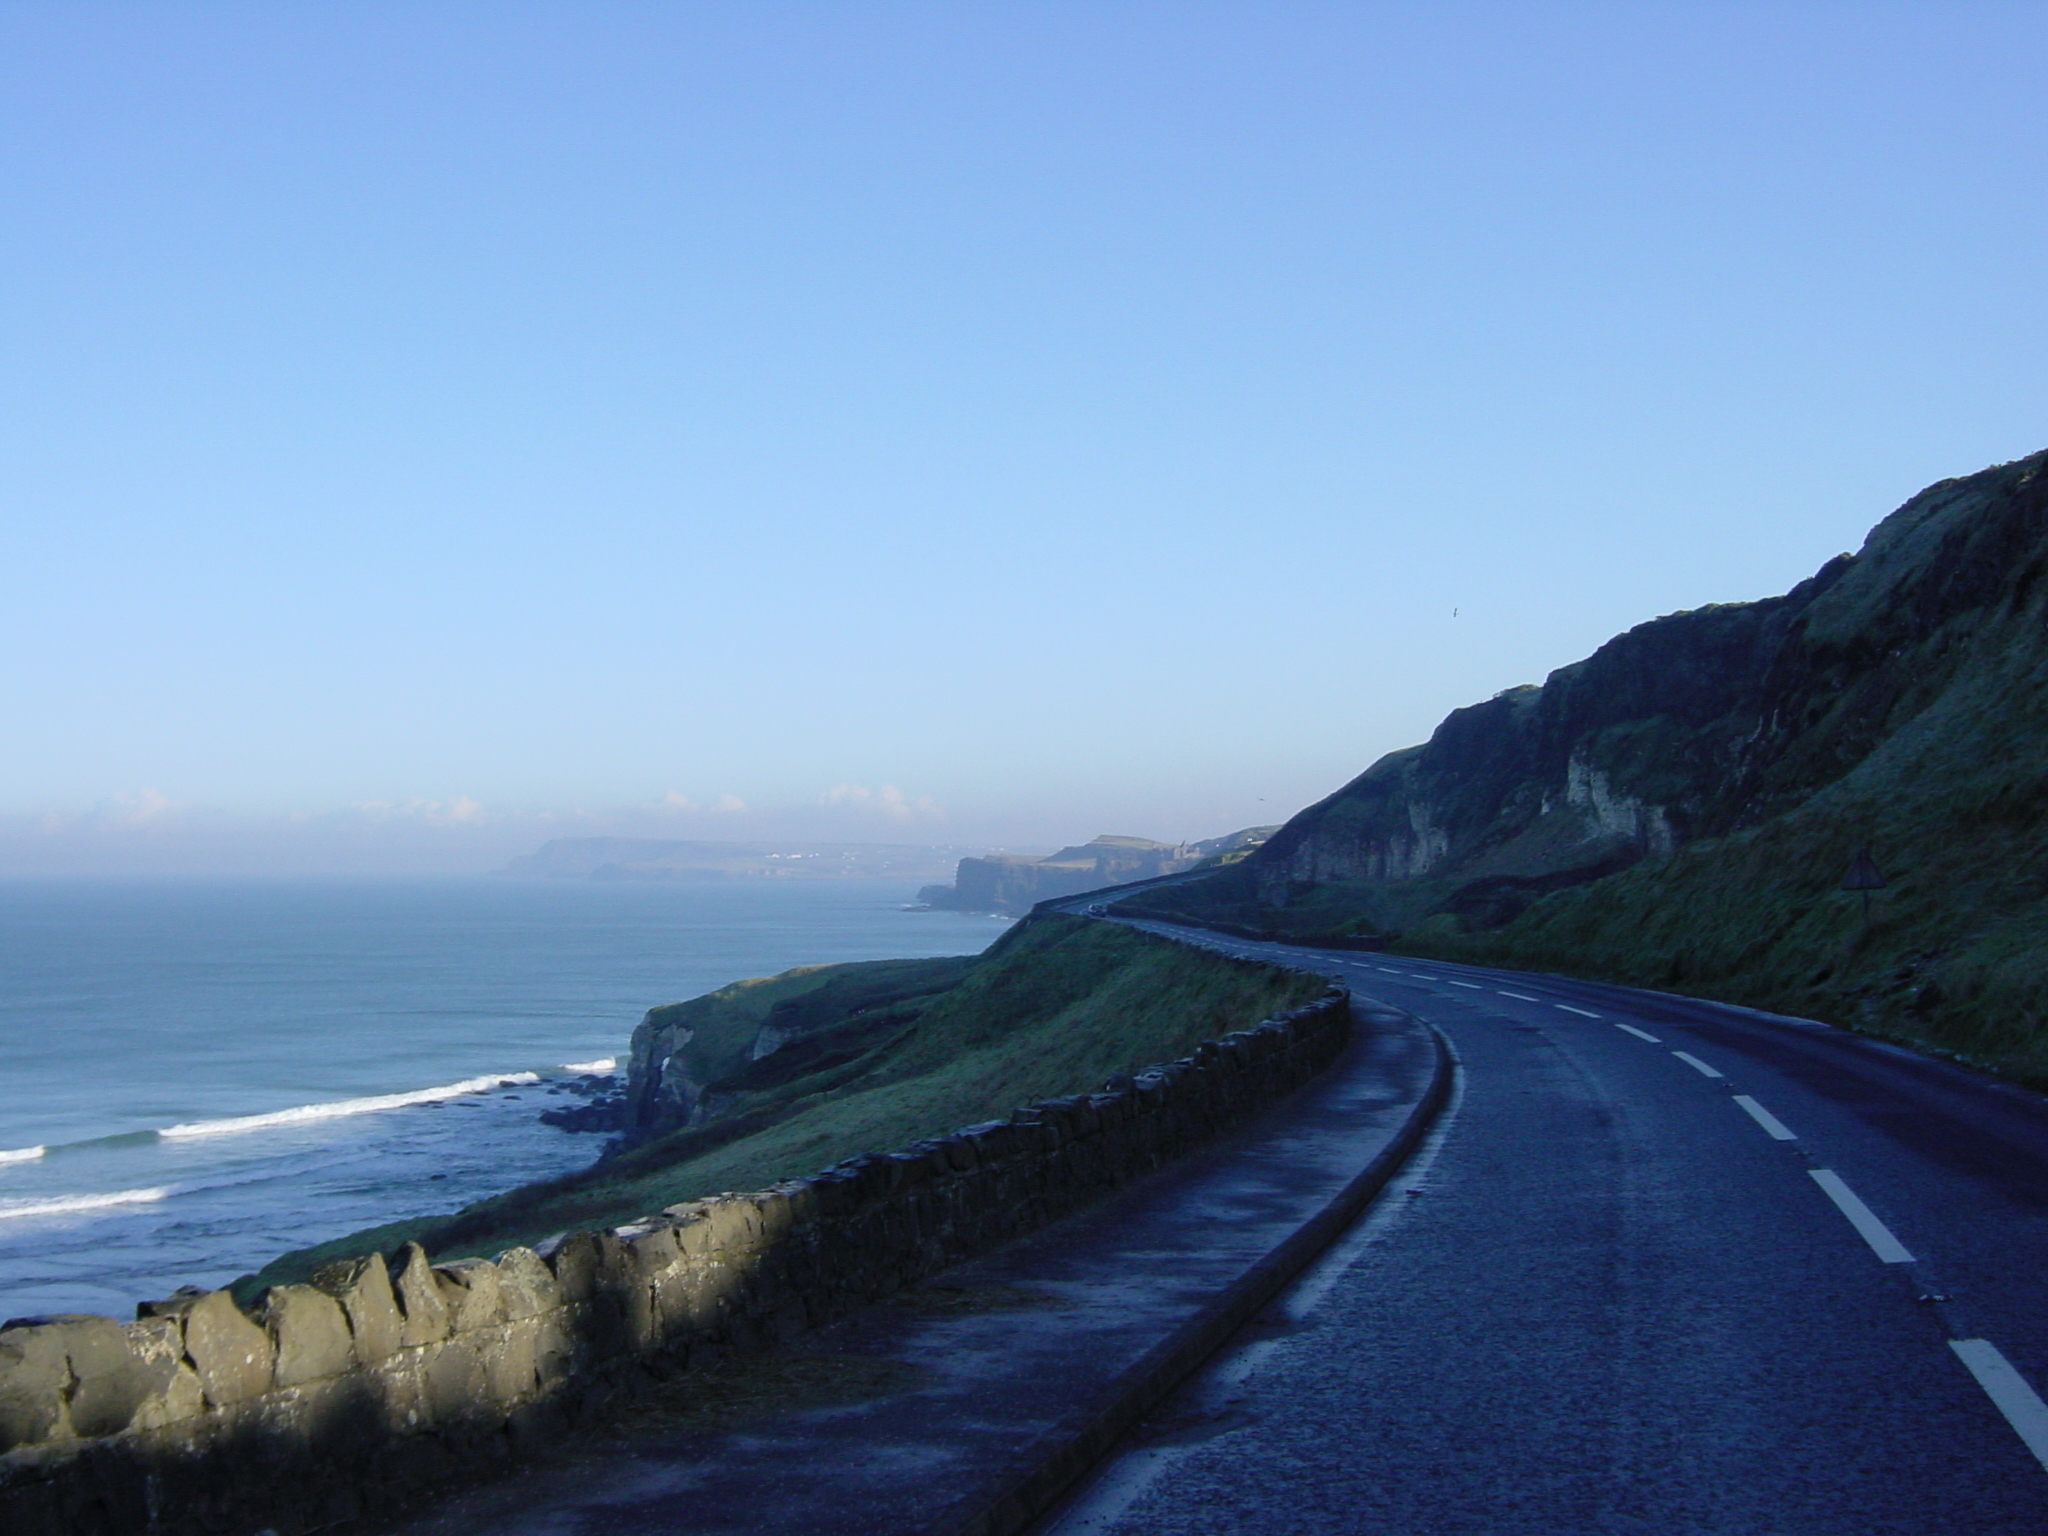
(1013, 884)
(1681, 809)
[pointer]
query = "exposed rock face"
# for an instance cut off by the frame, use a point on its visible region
(1684, 727)
(1657, 737)
(1013, 884)
(691, 1062)
(1681, 807)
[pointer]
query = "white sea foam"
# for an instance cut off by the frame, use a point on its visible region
(603, 1064)
(22, 1154)
(65, 1204)
(340, 1109)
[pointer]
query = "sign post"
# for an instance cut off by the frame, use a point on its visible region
(1865, 877)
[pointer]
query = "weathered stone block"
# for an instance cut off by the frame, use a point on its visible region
(35, 1383)
(651, 1250)
(159, 1342)
(231, 1354)
(554, 1349)
(419, 1298)
(575, 1262)
(803, 1202)
(309, 1333)
(469, 1291)
(838, 1193)
(510, 1364)
(454, 1382)
(525, 1286)
(772, 1207)
(363, 1287)
(735, 1223)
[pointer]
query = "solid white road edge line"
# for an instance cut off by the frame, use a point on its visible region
(1774, 1128)
(1696, 1064)
(1518, 997)
(1868, 1227)
(2008, 1391)
(1568, 1008)
(1640, 1034)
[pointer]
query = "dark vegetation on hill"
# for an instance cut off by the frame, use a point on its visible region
(860, 1058)
(1680, 809)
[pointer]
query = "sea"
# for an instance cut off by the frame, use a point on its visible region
(198, 1076)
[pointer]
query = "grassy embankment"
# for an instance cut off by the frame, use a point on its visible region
(1053, 1007)
(1950, 958)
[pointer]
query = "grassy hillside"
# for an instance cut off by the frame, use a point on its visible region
(1954, 954)
(1054, 1007)
(837, 1018)
(1680, 809)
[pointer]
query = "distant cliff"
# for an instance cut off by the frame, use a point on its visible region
(1681, 808)
(1014, 884)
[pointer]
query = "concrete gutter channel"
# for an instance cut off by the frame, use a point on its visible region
(970, 1405)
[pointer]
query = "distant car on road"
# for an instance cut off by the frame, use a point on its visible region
(1098, 910)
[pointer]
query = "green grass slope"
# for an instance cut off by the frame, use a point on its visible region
(840, 1018)
(1680, 809)
(1054, 1007)
(1954, 952)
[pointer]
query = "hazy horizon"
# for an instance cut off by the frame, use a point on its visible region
(433, 430)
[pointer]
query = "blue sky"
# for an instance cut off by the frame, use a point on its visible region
(429, 428)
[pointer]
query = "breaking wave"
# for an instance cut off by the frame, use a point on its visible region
(23, 1154)
(61, 1205)
(340, 1109)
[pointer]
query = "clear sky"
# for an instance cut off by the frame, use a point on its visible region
(427, 428)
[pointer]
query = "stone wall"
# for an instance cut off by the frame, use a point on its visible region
(354, 1394)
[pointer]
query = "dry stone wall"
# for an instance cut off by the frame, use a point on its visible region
(383, 1378)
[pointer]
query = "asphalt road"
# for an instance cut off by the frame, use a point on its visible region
(1665, 1266)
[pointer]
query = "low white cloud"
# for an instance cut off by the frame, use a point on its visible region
(678, 804)
(462, 811)
(125, 811)
(888, 801)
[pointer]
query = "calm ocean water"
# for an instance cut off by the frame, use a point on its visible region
(197, 1076)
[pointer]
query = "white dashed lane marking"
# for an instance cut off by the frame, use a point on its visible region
(1773, 1126)
(2008, 1391)
(1868, 1227)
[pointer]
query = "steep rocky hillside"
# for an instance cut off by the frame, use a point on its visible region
(1681, 808)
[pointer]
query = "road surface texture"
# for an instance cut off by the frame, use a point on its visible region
(1664, 1266)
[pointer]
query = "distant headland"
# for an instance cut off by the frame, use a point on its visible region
(1014, 883)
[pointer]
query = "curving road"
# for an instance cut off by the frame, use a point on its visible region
(1665, 1266)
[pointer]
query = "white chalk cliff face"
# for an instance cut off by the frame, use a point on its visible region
(1614, 816)
(1626, 755)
